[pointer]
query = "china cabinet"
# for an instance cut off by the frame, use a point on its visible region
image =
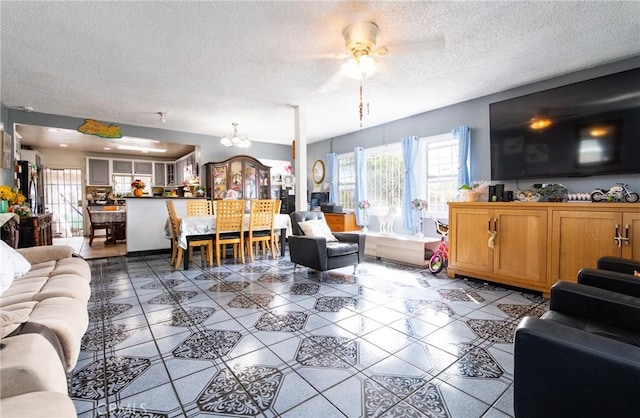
(240, 177)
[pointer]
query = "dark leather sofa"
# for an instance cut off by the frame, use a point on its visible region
(582, 357)
(318, 254)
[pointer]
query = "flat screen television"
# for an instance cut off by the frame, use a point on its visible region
(582, 129)
(317, 199)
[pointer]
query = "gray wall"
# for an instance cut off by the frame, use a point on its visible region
(475, 114)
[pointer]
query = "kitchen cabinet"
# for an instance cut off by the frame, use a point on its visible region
(98, 172)
(537, 244)
(159, 174)
(122, 166)
(507, 245)
(171, 174)
(242, 177)
(143, 167)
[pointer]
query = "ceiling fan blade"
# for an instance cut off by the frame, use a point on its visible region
(413, 47)
(332, 83)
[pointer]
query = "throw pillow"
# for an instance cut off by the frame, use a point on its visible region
(317, 228)
(20, 264)
(7, 273)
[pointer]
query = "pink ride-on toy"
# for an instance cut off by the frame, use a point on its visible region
(440, 257)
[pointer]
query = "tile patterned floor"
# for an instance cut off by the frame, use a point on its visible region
(258, 340)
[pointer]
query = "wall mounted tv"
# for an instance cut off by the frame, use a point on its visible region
(582, 129)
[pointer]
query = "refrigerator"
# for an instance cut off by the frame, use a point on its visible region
(28, 181)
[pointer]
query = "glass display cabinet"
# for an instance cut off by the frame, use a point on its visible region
(240, 177)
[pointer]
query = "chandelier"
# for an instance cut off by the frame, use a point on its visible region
(234, 139)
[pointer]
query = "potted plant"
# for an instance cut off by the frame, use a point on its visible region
(553, 192)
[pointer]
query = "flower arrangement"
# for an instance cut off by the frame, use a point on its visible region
(364, 204)
(12, 195)
(138, 184)
(193, 181)
(22, 210)
(419, 204)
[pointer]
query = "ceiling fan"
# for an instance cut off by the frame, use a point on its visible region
(361, 43)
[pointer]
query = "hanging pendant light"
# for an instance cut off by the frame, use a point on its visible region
(234, 139)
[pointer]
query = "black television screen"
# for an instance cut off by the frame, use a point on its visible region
(581, 129)
(318, 198)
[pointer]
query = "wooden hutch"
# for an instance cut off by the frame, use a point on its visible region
(244, 175)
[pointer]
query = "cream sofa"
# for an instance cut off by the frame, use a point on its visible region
(43, 318)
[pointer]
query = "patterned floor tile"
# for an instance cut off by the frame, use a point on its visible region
(324, 351)
(182, 317)
(335, 304)
(171, 298)
(118, 372)
(278, 321)
(251, 301)
(245, 391)
(260, 340)
(207, 345)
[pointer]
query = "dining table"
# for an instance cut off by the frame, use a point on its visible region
(206, 225)
(116, 220)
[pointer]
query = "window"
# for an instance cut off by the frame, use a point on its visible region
(385, 177)
(441, 157)
(122, 184)
(436, 171)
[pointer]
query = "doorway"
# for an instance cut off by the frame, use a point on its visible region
(63, 197)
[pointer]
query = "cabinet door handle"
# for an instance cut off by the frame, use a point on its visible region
(495, 224)
(489, 225)
(626, 235)
(617, 238)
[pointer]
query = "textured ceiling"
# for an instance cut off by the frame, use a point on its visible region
(208, 64)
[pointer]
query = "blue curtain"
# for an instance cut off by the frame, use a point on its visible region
(409, 152)
(361, 183)
(332, 169)
(463, 134)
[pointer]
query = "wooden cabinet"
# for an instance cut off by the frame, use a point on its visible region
(536, 244)
(35, 231)
(341, 222)
(242, 176)
(580, 237)
(500, 244)
(98, 171)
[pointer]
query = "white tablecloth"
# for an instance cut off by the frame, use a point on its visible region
(200, 225)
(108, 216)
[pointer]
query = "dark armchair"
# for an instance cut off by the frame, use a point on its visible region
(582, 357)
(318, 254)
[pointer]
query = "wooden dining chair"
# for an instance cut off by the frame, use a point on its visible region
(230, 227)
(276, 211)
(204, 242)
(199, 207)
(261, 227)
(98, 226)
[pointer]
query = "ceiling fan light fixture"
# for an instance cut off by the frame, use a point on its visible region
(360, 67)
(234, 139)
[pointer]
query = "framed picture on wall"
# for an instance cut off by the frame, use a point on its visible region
(6, 151)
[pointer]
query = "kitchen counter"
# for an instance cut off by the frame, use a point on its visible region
(146, 219)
